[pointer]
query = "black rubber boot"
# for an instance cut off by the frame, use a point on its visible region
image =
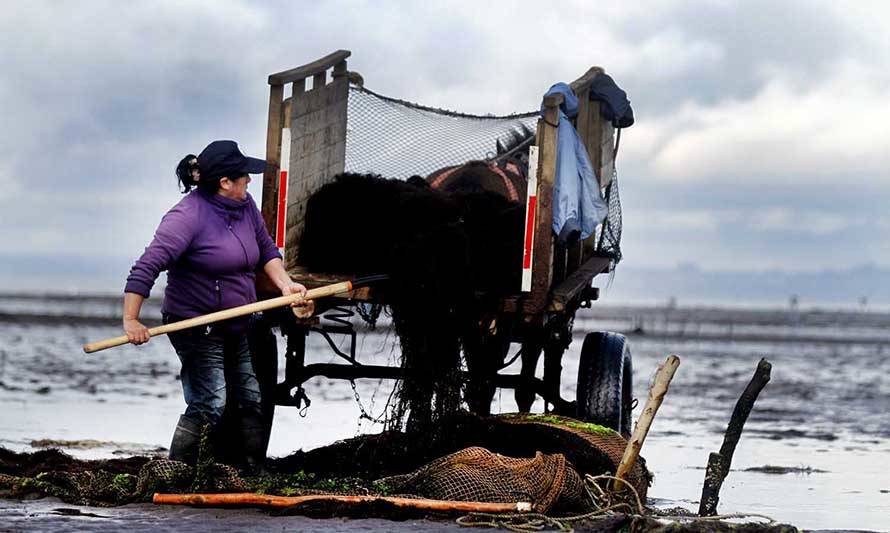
(186, 439)
(254, 441)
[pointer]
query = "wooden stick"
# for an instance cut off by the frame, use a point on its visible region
(663, 377)
(278, 502)
(226, 314)
(719, 463)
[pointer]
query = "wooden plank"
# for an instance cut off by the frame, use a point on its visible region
(312, 279)
(571, 288)
(573, 257)
(285, 112)
(595, 137)
(309, 69)
(542, 259)
(273, 158)
(582, 122)
(595, 132)
(318, 151)
(599, 146)
(583, 83)
(337, 141)
(607, 151)
(339, 70)
(319, 80)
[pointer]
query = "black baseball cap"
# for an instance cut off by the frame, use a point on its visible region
(223, 158)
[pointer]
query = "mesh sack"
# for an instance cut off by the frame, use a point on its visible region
(476, 474)
(600, 451)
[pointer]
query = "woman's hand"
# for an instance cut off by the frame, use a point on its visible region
(136, 332)
(275, 270)
(302, 308)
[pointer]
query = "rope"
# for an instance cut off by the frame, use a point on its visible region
(606, 495)
(439, 111)
(513, 522)
(602, 501)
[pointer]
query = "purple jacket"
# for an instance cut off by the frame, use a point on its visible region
(210, 247)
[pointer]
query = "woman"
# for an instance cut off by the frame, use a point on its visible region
(210, 244)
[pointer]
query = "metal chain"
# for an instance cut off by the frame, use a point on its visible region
(364, 413)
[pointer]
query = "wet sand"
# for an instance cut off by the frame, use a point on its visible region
(823, 415)
(50, 514)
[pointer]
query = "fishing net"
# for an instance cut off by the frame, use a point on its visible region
(104, 483)
(588, 448)
(593, 449)
(533, 458)
(400, 139)
(478, 475)
(102, 487)
(609, 233)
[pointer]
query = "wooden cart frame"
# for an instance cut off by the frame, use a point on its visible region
(308, 130)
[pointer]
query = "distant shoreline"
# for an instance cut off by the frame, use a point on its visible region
(606, 301)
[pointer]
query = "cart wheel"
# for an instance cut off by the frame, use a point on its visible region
(605, 381)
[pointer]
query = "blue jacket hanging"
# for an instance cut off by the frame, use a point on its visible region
(578, 205)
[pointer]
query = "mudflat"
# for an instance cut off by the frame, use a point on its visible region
(812, 453)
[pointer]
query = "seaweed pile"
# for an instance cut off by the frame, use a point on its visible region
(549, 461)
(449, 258)
(472, 461)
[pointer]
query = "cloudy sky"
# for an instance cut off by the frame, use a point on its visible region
(761, 140)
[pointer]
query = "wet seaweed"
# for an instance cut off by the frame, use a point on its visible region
(449, 258)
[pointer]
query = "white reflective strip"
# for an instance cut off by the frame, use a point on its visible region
(530, 239)
(285, 149)
(526, 280)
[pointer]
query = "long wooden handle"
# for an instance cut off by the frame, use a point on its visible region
(225, 314)
(266, 500)
(663, 378)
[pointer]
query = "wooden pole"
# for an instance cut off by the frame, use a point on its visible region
(719, 463)
(225, 314)
(273, 158)
(663, 377)
(542, 255)
(278, 502)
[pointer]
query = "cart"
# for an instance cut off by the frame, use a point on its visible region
(307, 146)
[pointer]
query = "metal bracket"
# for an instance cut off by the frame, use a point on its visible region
(339, 315)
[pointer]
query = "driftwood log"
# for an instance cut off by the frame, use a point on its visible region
(720, 462)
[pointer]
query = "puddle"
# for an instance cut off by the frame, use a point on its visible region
(780, 470)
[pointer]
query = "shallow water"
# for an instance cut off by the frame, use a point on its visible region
(826, 408)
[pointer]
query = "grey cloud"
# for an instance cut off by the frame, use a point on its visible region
(794, 37)
(104, 98)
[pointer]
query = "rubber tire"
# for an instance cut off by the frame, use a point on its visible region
(605, 381)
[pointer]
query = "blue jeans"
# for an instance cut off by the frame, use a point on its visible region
(216, 368)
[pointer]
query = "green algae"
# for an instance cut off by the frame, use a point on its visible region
(204, 466)
(588, 427)
(300, 482)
